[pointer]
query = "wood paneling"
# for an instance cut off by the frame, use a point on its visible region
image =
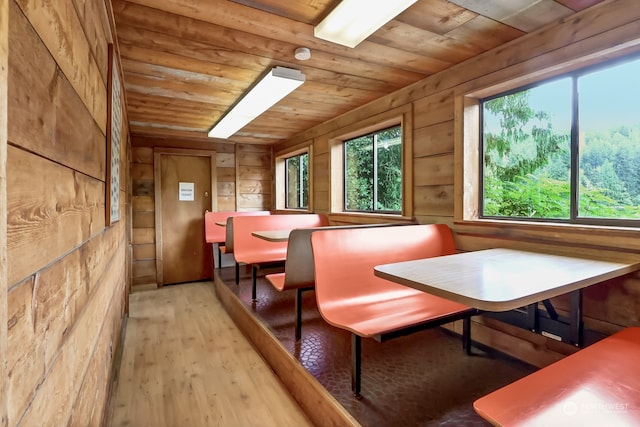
(433, 139)
(66, 271)
(143, 269)
(4, 60)
(58, 205)
(253, 177)
(59, 27)
(185, 67)
(433, 170)
(47, 116)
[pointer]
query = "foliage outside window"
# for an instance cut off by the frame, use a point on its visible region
(373, 172)
(297, 181)
(565, 150)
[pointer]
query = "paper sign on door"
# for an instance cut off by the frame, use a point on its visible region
(186, 192)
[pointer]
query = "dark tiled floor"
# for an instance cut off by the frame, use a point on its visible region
(424, 379)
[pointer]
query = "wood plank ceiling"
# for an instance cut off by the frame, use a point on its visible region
(185, 62)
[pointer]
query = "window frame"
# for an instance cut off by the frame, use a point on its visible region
(300, 180)
(402, 116)
(374, 190)
(281, 176)
(469, 145)
(574, 146)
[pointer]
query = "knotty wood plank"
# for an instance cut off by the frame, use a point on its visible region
(58, 25)
(4, 61)
(485, 33)
(433, 170)
(521, 14)
(227, 174)
(433, 139)
(184, 362)
(47, 202)
(576, 236)
(70, 365)
(25, 358)
(244, 24)
(143, 219)
(166, 141)
(45, 307)
(255, 187)
(438, 16)
(143, 155)
(436, 108)
(251, 172)
(310, 12)
(579, 4)
(144, 252)
(47, 116)
(226, 189)
(443, 48)
(143, 236)
(91, 15)
(433, 200)
(143, 204)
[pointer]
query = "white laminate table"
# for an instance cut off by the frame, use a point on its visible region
(502, 279)
(272, 235)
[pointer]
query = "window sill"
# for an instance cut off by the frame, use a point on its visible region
(618, 239)
(356, 217)
(540, 225)
(288, 211)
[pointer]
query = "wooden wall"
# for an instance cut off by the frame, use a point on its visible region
(243, 174)
(4, 52)
(609, 29)
(66, 271)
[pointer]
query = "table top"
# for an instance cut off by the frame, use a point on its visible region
(272, 235)
(502, 279)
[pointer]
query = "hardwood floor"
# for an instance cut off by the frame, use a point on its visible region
(185, 363)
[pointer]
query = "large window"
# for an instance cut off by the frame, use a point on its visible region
(373, 172)
(565, 150)
(297, 181)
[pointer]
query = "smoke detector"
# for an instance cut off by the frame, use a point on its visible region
(302, 53)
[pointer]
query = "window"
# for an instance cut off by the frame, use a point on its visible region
(373, 172)
(297, 181)
(370, 166)
(564, 150)
(294, 178)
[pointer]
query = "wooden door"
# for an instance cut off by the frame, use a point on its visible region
(183, 194)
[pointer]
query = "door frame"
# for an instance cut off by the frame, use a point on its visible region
(157, 178)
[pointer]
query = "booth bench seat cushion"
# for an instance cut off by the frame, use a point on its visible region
(597, 386)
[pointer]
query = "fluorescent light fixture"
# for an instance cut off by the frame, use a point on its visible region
(274, 86)
(354, 20)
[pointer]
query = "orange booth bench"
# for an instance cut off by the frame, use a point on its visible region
(351, 297)
(251, 250)
(597, 386)
(217, 234)
(298, 272)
